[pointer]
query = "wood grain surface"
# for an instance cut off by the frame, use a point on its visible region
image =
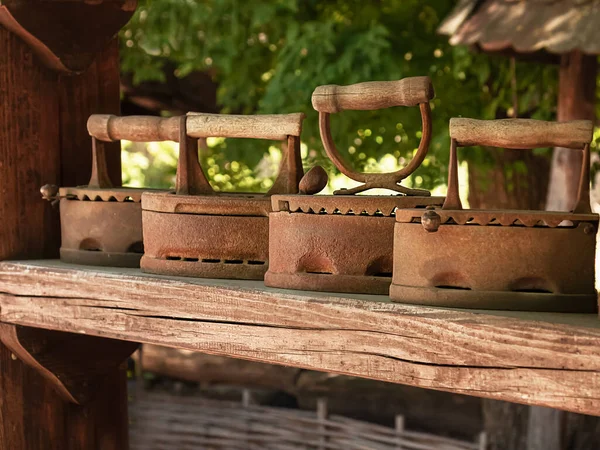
(42, 138)
(521, 133)
(257, 126)
(373, 95)
(535, 358)
(199, 125)
(110, 128)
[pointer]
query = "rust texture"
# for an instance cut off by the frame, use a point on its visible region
(101, 224)
(343, 242)
(339, 251)
(198, 232)
(511, 260)
(561, 26)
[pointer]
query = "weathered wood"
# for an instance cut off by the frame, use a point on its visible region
(359, 398)
(199, 125)
(545, 359)
(29, 152)
(505, 425)
(576, 100)
(94, 91)
(373, 95)
(51, 28)
(258, 126)
(544, 429)
(106, 127)
(33, 120)
(211, 369)
(33, 416)
(521, 133)
(74, 364)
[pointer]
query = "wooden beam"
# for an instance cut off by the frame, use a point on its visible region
(535, 358)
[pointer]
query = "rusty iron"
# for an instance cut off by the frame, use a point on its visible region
(101, 225)
(504, 259)
(343, 242)
(198, 232)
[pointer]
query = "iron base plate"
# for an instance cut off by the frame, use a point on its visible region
(329, 283)
(99, 258)
(495, 300)
(199, 269)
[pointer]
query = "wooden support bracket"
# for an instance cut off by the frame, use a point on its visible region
(75, 364)
(52, 27)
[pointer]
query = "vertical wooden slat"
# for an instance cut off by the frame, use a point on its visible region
(399, 430)
(28, 152)
(36, 135)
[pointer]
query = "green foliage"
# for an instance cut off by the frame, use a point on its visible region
(268, 56)
(154, 165)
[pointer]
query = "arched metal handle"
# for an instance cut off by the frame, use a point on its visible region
(520, 134)
(375, 95)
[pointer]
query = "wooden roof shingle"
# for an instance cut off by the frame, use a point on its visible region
(526, 26)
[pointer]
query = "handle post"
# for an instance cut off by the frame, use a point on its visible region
(190, 178)
(110, 128)
(521, 134)
(99, 178)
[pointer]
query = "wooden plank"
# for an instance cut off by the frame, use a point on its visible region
(515, 357)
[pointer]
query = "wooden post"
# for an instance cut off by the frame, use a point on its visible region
(576, 100)
(43, 139)
(399, 428)
(544, 430)
(505, 425)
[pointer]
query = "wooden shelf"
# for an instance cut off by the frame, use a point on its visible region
(535, 358)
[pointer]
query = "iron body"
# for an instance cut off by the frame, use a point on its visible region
(497, 264)
(225, 236)
(506, 259)
(335, 243)
(343, 242)
(101, 225)
(198, 232)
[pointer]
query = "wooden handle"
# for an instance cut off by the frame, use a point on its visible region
(373, 95)
(267, 126)
(521, 133)
(108, 128)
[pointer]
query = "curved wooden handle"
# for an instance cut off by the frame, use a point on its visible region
(521, 133)
(261, 126)
(108, 128)
(373, 95)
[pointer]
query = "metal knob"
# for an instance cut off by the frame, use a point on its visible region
(50, 192)
(314, 181)
(431, 220)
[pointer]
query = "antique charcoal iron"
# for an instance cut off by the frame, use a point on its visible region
(198, 232)
(343, 242)
(512, 260)
(101, 225)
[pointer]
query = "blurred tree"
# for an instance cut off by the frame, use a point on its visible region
(267, 56)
